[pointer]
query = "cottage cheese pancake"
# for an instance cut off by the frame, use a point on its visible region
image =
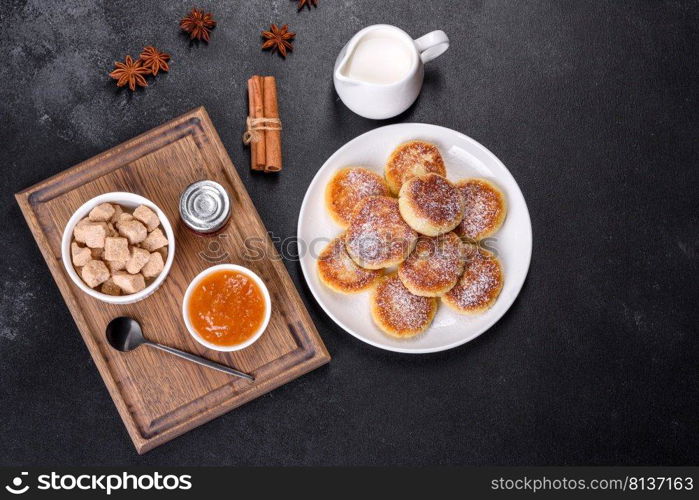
(479, 286)
(398, 312)
(434, 267)
(431, 205)
(340, 273)
(377, 236)
(347, 188)
(484, 209)
(410, 159)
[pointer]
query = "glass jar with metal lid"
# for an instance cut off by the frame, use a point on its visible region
(205, 207)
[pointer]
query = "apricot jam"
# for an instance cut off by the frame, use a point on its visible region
(227, 308)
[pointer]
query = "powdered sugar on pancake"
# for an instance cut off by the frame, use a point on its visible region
(435, 265)
(484, 208)
(348, 187)
(410, 159)
(397, 311)
(434, 198)
(378, 236)
(340, 272)
(479, 286)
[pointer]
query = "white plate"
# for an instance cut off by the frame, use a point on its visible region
(464, 157)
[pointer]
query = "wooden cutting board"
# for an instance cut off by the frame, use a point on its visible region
(160, 396)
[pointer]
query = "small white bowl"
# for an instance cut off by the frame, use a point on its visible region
(129, 201)
(204, 274)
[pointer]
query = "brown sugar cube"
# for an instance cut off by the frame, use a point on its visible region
(116, 265)
(133, 230)
(163, 252)
(95, 273)
(81, 255)
(97, 253)
(94, 235)
(117, 212)
(154, 266)
(156, 239)
(147, 216)
(129, 283)
(111, 230)
(101, 213)
(123, 217)
(79, 230)
(110, 288)
(116, 249)
(139, 258)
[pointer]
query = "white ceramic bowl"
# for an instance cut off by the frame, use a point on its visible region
(129, 201)
(226, 267)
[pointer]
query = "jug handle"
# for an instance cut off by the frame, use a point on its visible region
(432, 45)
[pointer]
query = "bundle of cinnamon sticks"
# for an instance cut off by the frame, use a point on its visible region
(263, 125)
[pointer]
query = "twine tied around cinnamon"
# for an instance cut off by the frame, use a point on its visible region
(255, 125)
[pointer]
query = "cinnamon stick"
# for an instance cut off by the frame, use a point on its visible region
(273, 138)
(256, 110)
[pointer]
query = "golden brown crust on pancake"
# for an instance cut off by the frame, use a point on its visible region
(479, 286)
(434, 267)
(348, 187)
(398, 312)
(410, 159)
(377, 236)
(431, 205)
(340, 273)
(485, 209)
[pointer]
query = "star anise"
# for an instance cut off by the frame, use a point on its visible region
(303, 3)
(130, 72)
(154, 60)
(278, 39)
(198, 24)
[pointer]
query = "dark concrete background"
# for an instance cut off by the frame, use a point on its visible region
(591, 105)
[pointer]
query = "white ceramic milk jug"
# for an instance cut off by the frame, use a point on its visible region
(379, 73)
